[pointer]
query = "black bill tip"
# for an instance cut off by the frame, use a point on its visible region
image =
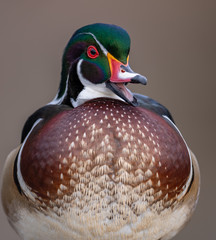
(139, 79)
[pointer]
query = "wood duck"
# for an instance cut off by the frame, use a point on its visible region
(100, 162)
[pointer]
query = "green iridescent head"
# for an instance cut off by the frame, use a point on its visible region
(93, 57)
(113, 38)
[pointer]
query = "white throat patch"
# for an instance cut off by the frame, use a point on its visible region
(91, 90)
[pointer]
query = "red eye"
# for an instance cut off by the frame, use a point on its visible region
(92, 52)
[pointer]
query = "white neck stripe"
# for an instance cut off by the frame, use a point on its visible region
(25, 188)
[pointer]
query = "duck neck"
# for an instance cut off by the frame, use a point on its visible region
(69, 87)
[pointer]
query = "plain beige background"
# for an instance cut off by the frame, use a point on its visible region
(173, 44)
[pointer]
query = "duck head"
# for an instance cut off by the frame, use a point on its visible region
(96, 64)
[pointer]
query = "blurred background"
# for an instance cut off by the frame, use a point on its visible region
(173, 45)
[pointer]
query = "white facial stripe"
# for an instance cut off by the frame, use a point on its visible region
(25, 188)
(91, 90)
(100, 45)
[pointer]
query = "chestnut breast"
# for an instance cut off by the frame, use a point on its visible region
(103, 145)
